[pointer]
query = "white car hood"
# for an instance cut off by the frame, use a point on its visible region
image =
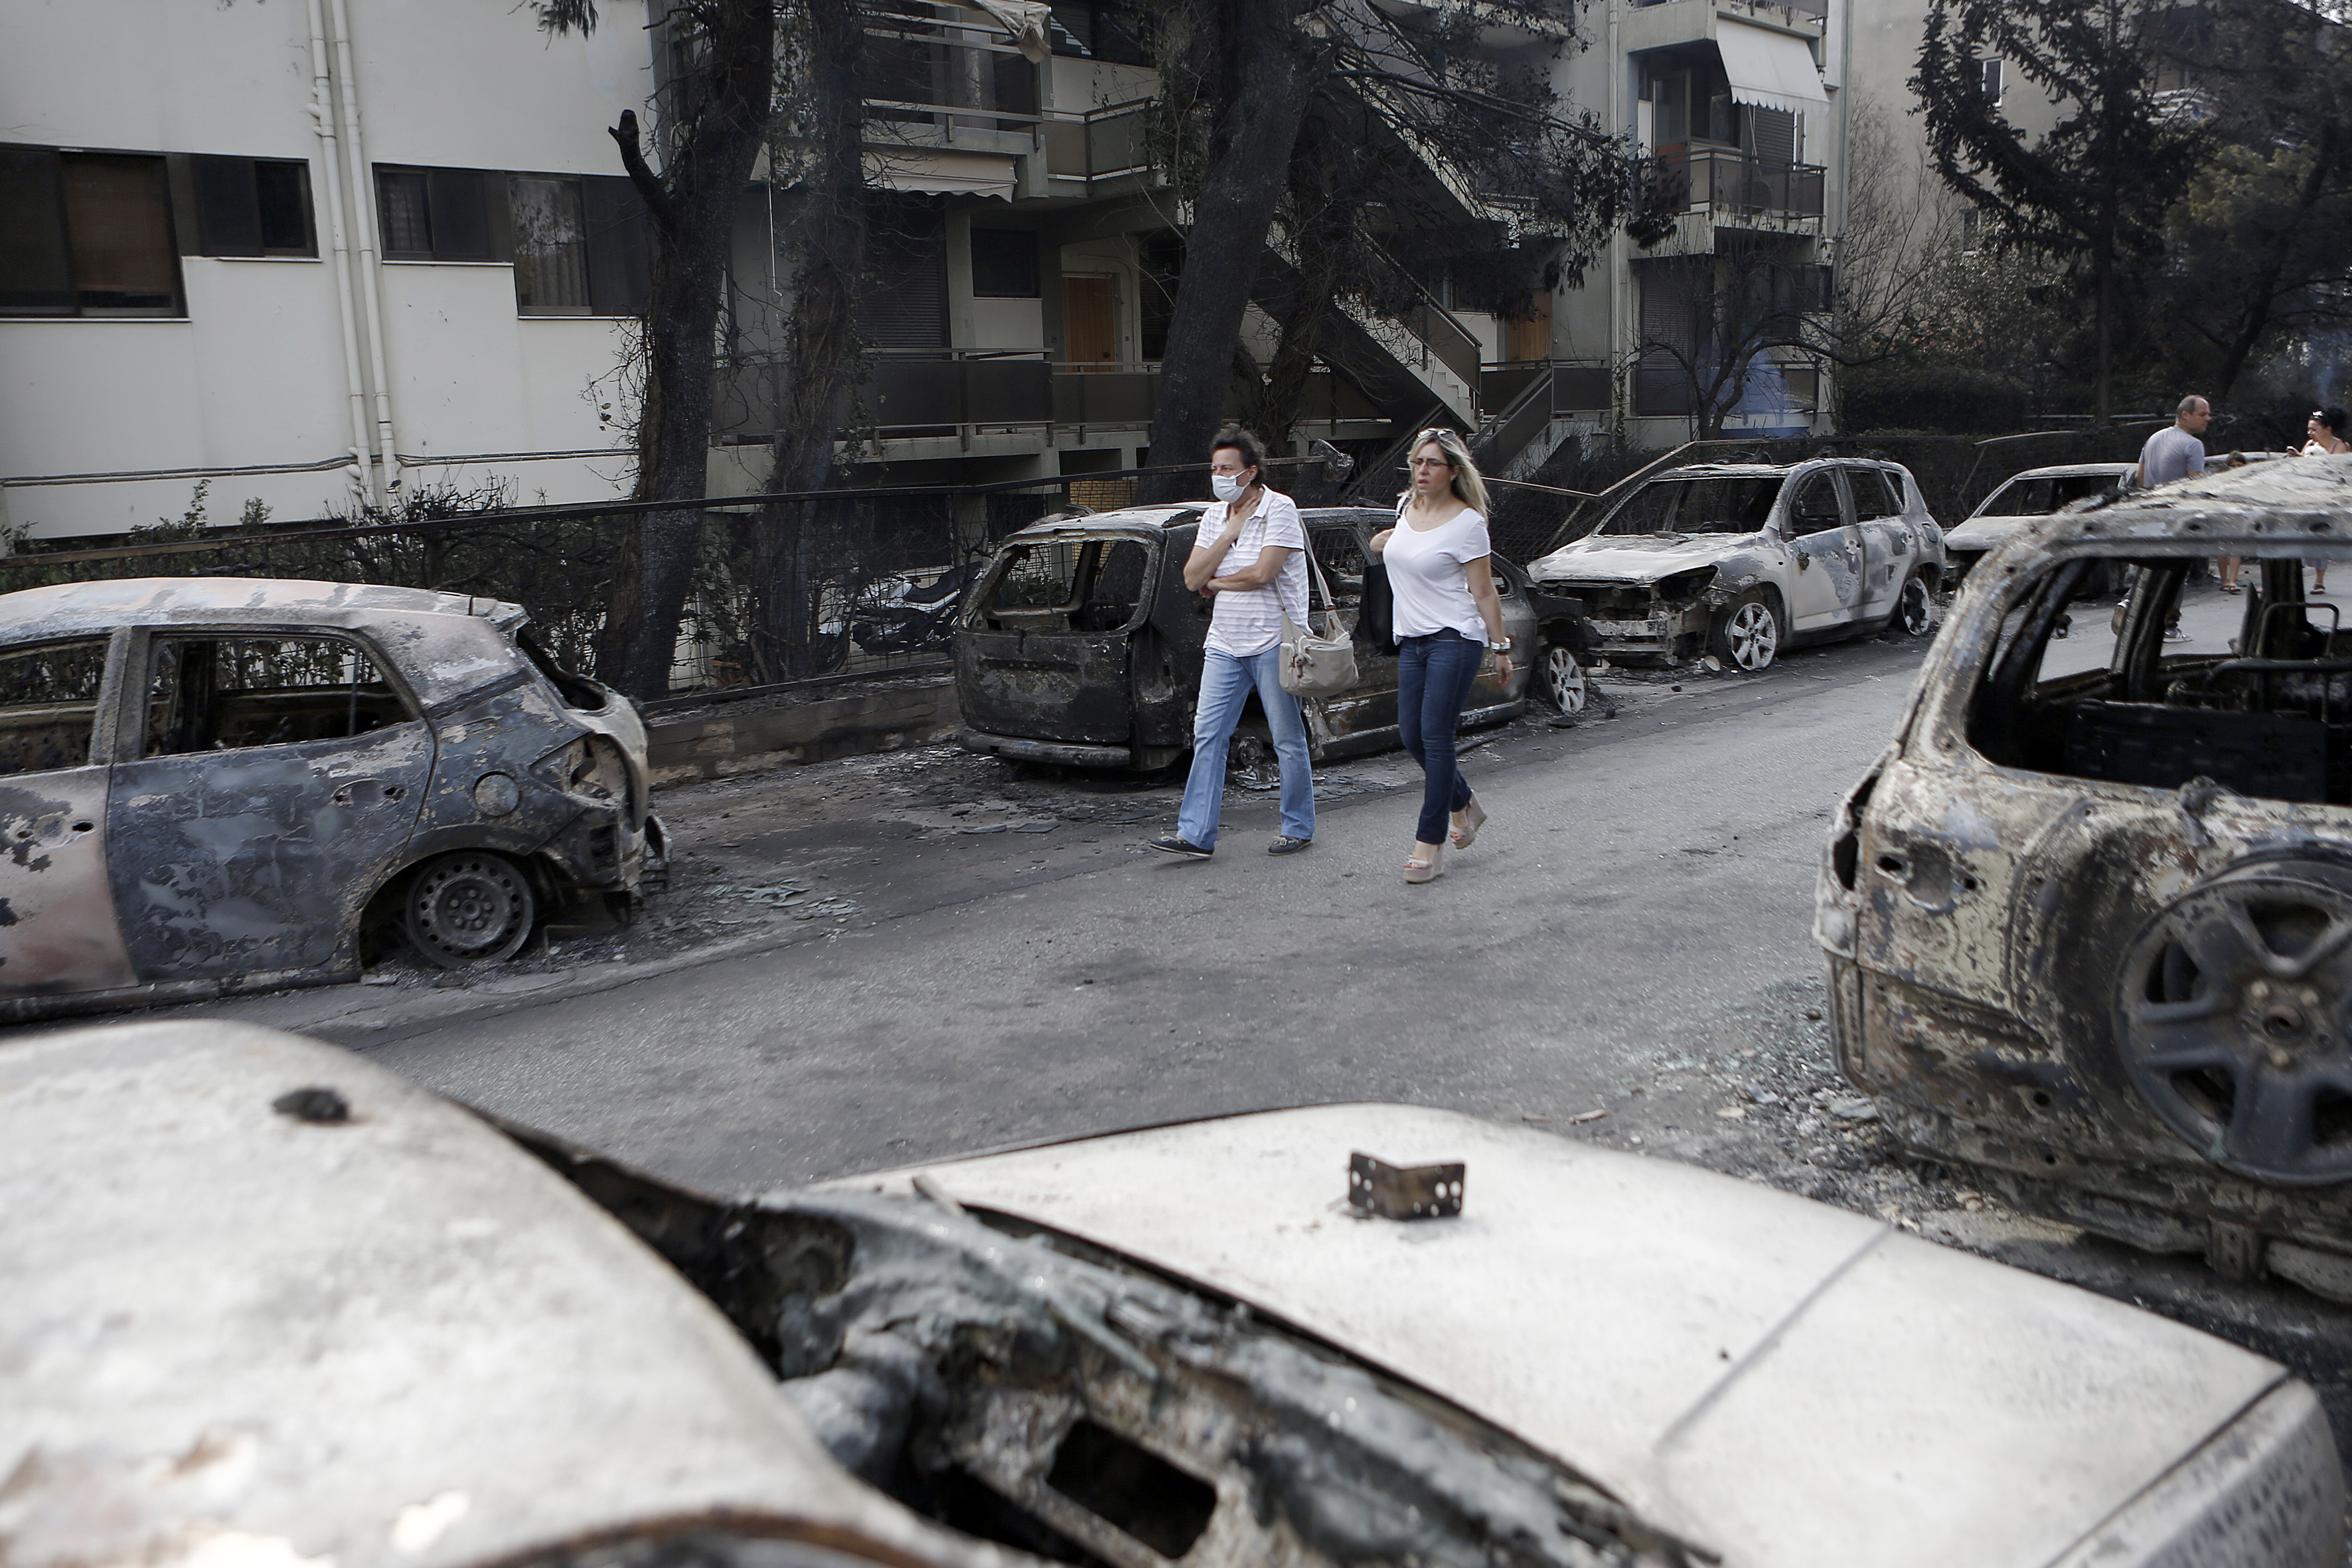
(1984, 532)
(1785, 1382)
(1638, 558)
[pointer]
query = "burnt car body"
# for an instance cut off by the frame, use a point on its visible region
(2021, 498)
(211, 785)
(1080, 644)
(267, 1305)
(1742, 559)
(2089, 921)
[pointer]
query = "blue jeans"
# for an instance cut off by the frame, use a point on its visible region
(1225, 683)
(1433, 677)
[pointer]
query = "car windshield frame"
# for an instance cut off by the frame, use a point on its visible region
(2095, 485)
(1752, 502)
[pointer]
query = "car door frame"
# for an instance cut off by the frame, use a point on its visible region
(1888, 548)
(54, 845)
(1826, 581)
(139, 837)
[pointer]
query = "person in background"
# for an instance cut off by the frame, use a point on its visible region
(2230, 564)
(2323, 437)
(2176, 452)
(1446, 618)
(1250, 558)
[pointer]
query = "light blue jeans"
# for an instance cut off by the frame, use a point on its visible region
(1225, 683)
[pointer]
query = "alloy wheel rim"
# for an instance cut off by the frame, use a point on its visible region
(1566, 679)
(1754, 636)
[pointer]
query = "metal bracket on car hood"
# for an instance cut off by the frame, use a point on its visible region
(1404, 1192)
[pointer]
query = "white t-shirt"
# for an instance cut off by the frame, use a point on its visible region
(1247, 621)
(1426, 579)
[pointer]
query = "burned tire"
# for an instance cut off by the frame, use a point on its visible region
(1914, 608)
(1561, 680)
(1747, 635)
(2232, 1019)
(1250, 763)
(467, 909)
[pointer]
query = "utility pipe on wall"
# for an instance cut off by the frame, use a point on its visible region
(362, 192)
(322, 121)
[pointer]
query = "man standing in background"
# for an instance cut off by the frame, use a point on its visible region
(2177, 451)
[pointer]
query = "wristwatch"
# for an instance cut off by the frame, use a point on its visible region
(1503, 646)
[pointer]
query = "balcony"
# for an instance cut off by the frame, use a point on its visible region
(1103, 144)
(919, 392)
(1740, 190)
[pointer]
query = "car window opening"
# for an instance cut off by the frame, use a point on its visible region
(1067, 585)
(1132, 1488)
(210, 694)
(1741, 505)
(2102, 671)
(48, 705)
(2039, 498)
(581, 696)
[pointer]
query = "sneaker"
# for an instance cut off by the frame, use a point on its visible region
(2174, 634)
(1286, 844)
(1174, 844)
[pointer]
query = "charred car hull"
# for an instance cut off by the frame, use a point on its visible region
(366, 1328)
(1080, 645)
(219, 785)
(2086, 922)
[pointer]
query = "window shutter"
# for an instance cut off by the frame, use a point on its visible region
(1775, 131)
(618, 265)
(461, 215)
(1005, 263)
(228, 219)
(35, 271)
(907, 306)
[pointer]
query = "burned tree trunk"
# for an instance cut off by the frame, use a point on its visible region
(1261, 67)
(690, 209)
(822, 359)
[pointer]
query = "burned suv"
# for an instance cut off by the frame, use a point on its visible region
(2089, 920)
(210, 785)
(1741, 560)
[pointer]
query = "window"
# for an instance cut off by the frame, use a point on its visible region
(1005, 263)
(433, 215)
(1989, 81)
(86, 234)
(1876, 493)
(1814, 507)
(48, 705)
(252, 206)
(551, 247)
(210, 694)
(1697, 506)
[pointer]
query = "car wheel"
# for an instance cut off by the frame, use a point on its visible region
(1915, 608)
(469, 907)
(2230, 1020)
(1562, 681)
(1748, 634)
(1251, 763)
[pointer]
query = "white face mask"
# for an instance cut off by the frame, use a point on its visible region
(1229, 486)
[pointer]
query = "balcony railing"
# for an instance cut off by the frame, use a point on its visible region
(1739, 183)
(1099, 144)
(917, 392)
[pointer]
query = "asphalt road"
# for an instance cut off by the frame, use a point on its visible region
(886, 959)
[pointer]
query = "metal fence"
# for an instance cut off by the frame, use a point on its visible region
(878, 573)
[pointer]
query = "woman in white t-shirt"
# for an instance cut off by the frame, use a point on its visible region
(1446, 617)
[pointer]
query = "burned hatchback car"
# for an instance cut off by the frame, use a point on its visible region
(220, 784)
(1080, 645)
(2089, 920)
(266, 1304)
(1738, 561)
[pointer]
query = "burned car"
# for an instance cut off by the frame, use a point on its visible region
(1080, 645)
(1738, 561)
(2089, 920)
(212, 784)
(265, 1303)
(2020, 499)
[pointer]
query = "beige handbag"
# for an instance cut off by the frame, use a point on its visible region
(1313, 666)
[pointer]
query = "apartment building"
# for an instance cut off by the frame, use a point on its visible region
(321, 252)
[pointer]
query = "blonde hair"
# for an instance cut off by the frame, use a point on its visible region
(1469, 485)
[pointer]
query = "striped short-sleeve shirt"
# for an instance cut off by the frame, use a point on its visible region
(1248, 621)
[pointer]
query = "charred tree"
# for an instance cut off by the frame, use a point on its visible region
(2094, 191)
(1234, 76)
(714, 123)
